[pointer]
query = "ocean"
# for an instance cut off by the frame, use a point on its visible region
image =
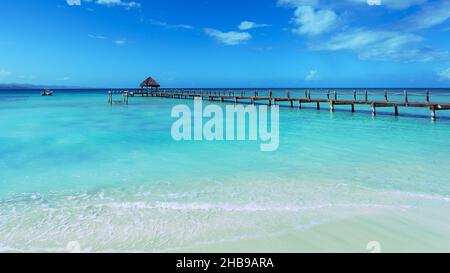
(77, 171)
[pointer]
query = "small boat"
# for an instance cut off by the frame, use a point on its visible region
(47, 92)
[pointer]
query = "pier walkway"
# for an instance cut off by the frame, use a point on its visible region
(254, 97)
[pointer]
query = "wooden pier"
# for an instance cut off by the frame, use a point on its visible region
(253, 97)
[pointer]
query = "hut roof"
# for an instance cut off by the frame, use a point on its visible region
(150, 82)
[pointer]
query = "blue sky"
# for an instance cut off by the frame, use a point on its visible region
(232, 43)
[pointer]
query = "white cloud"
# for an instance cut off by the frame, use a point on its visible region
(247, 25)
(444, 74)
(73, 2)
(397, 42)
(4, 73)
(313, 22)
(120, 42)
(308, 18)
(126, 4)
(100, 37)
(296, 3)
(312, 76)
(382, 46)
(228, 38)
(391, 4)
(432, 14)
(169, 26)
(373, 2)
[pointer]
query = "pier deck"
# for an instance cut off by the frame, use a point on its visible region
(332, 101)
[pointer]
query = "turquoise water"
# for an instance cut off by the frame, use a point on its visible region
(74, 169)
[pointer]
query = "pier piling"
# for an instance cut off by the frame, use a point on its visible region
(231, 96)
(433, 113)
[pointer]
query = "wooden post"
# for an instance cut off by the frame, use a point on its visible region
(374, 109)
(353, 108)
(292, 104)
(318, 105)
(396, 110)
(386, 95)
(427, 95)
(331, 106)
(406, 96)
(299, 104)
(235, 100)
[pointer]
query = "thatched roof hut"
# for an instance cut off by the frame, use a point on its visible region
(150, 82)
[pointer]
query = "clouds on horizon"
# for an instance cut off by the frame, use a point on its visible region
(313, 75)
(5, 73)
(444, 75)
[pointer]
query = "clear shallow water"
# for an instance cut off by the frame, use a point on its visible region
(73, 168)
